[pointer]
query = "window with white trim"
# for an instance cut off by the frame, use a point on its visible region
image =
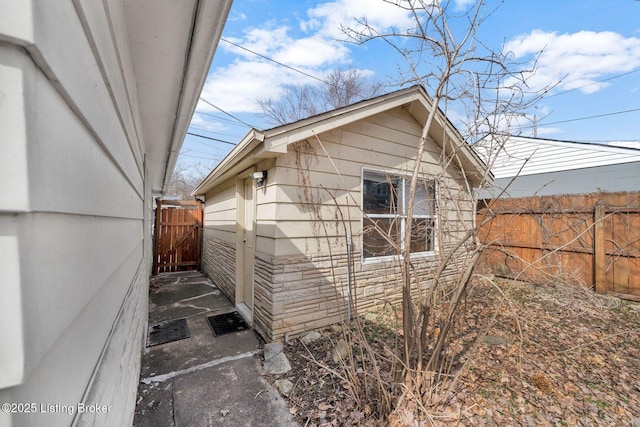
(384, 203)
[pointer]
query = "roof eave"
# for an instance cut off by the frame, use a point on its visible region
(220, 173)
(171, 46)
(278, 138)
(275, 141)
(205, 38)
(472, 166)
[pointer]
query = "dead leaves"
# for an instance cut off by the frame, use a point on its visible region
(546, 362)
(573, 366)
(319, 397)
(324, 407)
(541, 382)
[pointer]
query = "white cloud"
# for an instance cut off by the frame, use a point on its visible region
(463, 4)
(576, 60)
(277, 44)
(312, 48)
(264, 41)
(312, 52)
(205, 123)
(237, 16)
(236, 87)
(329, 17)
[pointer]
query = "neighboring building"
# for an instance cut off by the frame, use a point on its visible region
(283, 206)
(95, 100)
(544, 167)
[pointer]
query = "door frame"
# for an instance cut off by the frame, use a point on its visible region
(245, 255)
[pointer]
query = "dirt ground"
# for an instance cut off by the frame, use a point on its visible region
(533, 356)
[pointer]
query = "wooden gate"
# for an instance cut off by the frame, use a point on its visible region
(178, 236)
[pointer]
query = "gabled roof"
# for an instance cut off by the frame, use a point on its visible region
(257, 145)
(539, 155)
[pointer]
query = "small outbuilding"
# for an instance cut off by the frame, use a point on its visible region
(303, 222)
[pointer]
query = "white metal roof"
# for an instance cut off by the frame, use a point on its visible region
(537, 155)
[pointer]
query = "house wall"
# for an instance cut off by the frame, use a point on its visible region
(609, 178)
(219, 237)
(317, 207)
(219, 257)
(301, 264)
(527, 167)
(528, 156)
(75, 264)
(309, 188)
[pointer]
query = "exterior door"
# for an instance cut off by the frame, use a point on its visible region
(246, 248)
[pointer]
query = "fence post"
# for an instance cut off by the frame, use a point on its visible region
(598, 247)
(156, 236)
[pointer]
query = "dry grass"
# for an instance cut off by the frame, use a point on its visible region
(532, 355)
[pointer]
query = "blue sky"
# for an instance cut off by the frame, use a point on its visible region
(591, 51)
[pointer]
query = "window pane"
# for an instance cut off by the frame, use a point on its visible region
(376, 235)
(422, 235)
(425, 198)
(379, 193)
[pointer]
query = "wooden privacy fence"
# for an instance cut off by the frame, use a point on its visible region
(592, 240)
(178, 236)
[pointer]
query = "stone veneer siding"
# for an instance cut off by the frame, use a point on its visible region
(296, 294)
(219, 263)
(303, 296)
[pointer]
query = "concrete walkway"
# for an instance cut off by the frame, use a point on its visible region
(203, 380)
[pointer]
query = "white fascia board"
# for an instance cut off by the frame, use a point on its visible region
(473, 166)
(207, 30)
(15, 71)
(16, 22)
(239, 152)
(278, 138)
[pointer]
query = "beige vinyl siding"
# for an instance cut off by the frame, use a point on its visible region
(309, 268)
(313, 192)
(387, 141)
(220, 213)
(111, 52)
(83, 271)
(220, 229)
(82, 82)
(219, 237)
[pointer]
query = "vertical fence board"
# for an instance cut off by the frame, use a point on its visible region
(590, 240)
(177, 236)
(599, 247)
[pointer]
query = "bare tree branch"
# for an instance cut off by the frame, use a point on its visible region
(342, 87)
